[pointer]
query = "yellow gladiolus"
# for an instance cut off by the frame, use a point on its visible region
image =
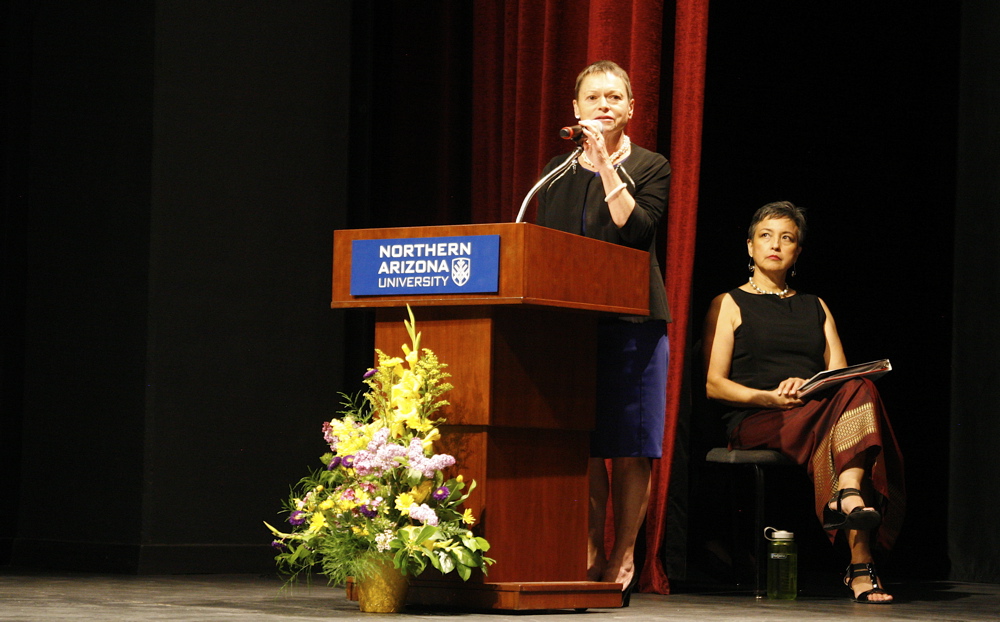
(421, 492)
(406, 406)
(397, 428)
(394, 365)
(410, 383)
(432, 435)
(418, 423)
(412, 356)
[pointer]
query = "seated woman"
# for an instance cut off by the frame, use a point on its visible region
(762, 341)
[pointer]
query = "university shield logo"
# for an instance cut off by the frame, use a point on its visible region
(461, 268)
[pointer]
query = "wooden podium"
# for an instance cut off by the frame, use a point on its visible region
(522, 361)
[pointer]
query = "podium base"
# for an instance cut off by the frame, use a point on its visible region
(517, 595)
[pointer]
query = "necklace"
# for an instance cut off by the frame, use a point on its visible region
(780, 294)
(616, 158)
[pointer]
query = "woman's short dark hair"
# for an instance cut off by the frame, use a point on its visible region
(780, 209)
(604, 66)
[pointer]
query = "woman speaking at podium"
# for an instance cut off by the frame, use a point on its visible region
(616, 191)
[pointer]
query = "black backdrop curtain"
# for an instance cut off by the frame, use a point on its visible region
(973, 530)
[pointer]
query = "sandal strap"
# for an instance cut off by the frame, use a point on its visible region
(859, 570)
(863, 596)
(846, 492)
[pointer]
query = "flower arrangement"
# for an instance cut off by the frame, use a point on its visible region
(382, 493)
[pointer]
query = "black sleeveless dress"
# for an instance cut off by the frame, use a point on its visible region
(778, 338)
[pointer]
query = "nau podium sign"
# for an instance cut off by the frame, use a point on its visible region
(446, 265)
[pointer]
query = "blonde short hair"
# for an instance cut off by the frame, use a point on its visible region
(604, 66)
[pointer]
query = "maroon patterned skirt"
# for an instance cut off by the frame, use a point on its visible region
(826, 433)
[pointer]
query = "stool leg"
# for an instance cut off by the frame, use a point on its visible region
(758, 536)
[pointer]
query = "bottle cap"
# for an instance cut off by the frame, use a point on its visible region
(777, 534)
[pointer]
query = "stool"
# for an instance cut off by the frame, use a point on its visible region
(758, 459)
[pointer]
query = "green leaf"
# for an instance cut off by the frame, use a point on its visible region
(297, 553)
(426, 533)
(276, 532)
(411, 328)
(400, 558)
(472, 486)
(436, 562)
(447, 564)
(464, 571)
(464, 556)
(414, 477)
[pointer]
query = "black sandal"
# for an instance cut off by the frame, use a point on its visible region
(858, 518)
(859, 570)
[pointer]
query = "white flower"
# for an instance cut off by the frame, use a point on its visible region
(383, 540)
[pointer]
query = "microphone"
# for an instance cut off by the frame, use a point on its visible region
(574, 132)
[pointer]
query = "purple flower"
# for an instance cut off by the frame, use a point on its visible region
(297, 517)
(424, 514)
(380, 455)
(378, 439)
(368, 374)
(427, 466)
(347, 462)
(278, 544)
(441, 493)
(334, 463)
(367, 511)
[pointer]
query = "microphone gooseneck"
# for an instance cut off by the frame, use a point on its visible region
(541, 182)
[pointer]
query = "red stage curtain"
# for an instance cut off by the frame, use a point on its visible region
(690, 44)
(526, 58)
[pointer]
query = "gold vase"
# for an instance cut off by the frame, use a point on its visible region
(384, 591)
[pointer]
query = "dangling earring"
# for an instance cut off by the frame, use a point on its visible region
(750, 266)
(793, 268)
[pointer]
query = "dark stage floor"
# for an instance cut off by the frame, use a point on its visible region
(34, 597)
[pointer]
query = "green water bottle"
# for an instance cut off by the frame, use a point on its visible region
(782, 564)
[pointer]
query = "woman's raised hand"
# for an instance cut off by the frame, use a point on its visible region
(594, 145)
